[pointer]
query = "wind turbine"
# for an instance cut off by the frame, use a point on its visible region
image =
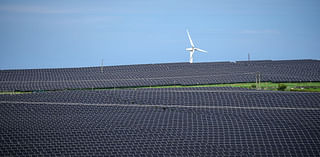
(192, 49)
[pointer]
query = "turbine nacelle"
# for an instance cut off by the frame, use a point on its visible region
(196, 49)
(192, 49)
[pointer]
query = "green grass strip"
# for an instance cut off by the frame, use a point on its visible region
(300, 87)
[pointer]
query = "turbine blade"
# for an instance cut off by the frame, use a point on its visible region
(190, 39)
(200, 50)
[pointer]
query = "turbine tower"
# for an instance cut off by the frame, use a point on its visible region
(193, 49)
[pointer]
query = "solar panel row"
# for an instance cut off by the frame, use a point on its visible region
(159, 74)
(161, 122)
(209, 96)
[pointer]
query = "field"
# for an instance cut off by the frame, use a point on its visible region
(225, 119)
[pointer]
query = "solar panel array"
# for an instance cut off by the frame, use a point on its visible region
(201, 96)
(159, 74)
(198, 121)
(207, 121)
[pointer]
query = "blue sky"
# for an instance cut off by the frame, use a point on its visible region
(80, 33)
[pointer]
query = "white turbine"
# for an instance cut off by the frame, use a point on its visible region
(192, 49)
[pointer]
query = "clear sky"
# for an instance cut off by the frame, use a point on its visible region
(80, 33)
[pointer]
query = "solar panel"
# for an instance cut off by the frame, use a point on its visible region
(159, 74)
(170, 122)
(198, 121)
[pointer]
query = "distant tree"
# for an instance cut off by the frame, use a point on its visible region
(281, 87)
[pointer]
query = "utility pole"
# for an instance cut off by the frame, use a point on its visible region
(101, 69)
(258, 80)
(249, 57)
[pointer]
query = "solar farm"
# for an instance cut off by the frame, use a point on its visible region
(104, 111)
(159, 74)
